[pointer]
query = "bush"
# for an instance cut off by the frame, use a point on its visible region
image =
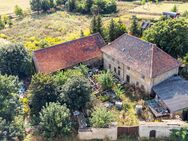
(18, 11)
(15, 60)
(55, 121)
(101, 118)
(43, 90)
(106, 80)
(76, 93)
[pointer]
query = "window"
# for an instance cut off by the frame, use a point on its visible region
(109, 66)
(113, 59)
(137, 83)
(128, 68)
(114, 69)
(142, 87)
(119, 73)
(128, 78)
(119, 67)
(143, 77)
(152, 134)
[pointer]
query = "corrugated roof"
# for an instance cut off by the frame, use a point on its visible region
(141, 56)
(173, 92)
(68, 54)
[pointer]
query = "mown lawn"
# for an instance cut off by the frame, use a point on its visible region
(7, 6)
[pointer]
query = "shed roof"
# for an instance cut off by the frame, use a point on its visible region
(62, 56)
(141, 56)
(173, 92)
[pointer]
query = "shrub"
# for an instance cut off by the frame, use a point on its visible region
(76, 93)
(101, 118)
(106, 80)
(15, 60)
(55, 121)
(18, 11)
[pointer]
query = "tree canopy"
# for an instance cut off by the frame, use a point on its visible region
(76, 93)
(15, 60)
(55, 120)
(43, 90)
(170, 35)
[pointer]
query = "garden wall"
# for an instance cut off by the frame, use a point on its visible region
(127, 130)
(97, 133)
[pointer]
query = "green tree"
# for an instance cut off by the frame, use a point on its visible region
(76, 93)
(134, 27)
(88, 6)
(9, 98)
(93, 26)
(116, 29)
(99, 25)
(2, 24)
(45, 5)
(101, 118)
(170, 35)
(71, 5)
(106, 80)
(15, 60)
(43, 90)
(18, 11)
(55, 121)
(174, 9)
(36, 5)
(180, 135)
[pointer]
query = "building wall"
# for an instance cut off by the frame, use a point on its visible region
(161, 130)
(135, 77)
(164, 76)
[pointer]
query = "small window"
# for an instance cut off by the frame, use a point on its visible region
(137, 83)
(109, 66)
(128, 78)
(114, 69)
(119, 73)
(143, 77)
(128, 68)
(119, 67)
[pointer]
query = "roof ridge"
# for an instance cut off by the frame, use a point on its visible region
(92, 35)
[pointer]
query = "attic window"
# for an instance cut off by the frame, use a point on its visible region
(143, 77)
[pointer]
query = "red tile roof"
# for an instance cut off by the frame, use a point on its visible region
(68, 54)
(144, 57)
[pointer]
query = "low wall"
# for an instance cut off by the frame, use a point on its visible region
(127, 130)
(97, 133)
(159, 129)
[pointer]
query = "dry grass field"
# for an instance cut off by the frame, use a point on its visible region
(7, 6)
(160, 7)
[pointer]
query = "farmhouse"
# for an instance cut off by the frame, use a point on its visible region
(139, 62)
(84, 50)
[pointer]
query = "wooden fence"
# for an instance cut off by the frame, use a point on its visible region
(128, 130)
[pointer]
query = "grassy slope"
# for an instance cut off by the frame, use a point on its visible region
(7, 6)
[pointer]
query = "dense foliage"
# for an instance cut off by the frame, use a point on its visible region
(81, 6)
(101, 118)
(134, 27)
(43, 90)
(11, 119)
(15, 60)
(55, 120)
(106, 80)
(170, 35)
(76, 93)
(180, 135)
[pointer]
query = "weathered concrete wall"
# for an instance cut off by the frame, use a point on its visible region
(98, 133)
(162, 129)
(165, 75)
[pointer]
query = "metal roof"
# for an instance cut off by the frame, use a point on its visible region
(173, 92)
